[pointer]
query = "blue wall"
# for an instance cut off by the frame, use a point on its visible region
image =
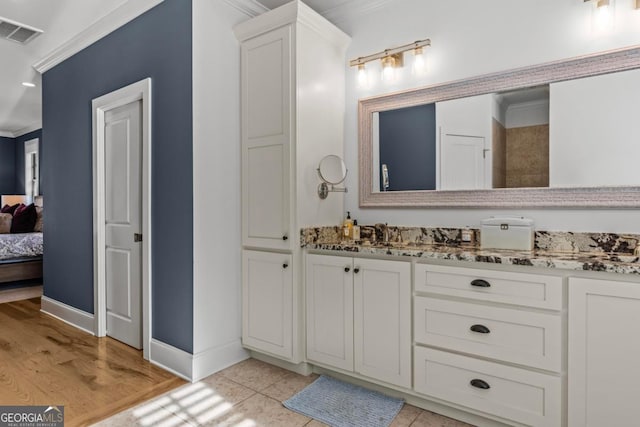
(19, 160)
(7, 165)
(158, 45)
(408, 147)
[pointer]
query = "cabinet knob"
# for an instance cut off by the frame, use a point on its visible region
(479, 283)
(356, 270)
(285, 237)
(479, 384)
(481, 329)
(347, 269)
(285, 265)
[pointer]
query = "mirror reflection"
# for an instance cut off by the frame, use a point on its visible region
(575, 133)
(498, 140)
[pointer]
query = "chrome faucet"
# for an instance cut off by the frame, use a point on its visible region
(385, 232)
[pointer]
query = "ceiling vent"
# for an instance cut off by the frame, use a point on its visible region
(17, 32)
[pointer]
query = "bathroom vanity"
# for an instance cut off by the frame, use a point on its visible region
(536, 338)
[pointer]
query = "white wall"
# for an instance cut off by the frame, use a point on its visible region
(216, 184)
(595, 131)
(470, 38)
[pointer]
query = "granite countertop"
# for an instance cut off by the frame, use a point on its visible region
(605, 252)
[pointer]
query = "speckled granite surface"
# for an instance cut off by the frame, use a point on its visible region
(612, 253)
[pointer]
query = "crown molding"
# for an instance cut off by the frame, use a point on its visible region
(103, 26)
(292, 12)
(354, 8)
(25, 130)
(250, 8)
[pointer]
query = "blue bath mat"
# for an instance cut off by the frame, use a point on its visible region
(340, 404)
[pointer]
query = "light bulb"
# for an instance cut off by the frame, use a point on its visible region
(418, 61)
(362, 76)
(388, 65)
(603, 16)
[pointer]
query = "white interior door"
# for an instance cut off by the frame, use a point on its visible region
(462, 162)
(123, 223)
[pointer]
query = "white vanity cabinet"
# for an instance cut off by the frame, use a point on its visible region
(483, 342)
(267, 289)
(604, 353)
(359, 316)
(292, 96)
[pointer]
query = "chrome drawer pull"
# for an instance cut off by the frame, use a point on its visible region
(481, 329)
(479, 283)
(480, 384)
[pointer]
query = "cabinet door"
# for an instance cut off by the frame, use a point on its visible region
(266, 122)
(267, 302)
(382, 320)
(329, 281)
(604, 350)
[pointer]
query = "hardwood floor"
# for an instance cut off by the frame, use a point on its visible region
(16, 294)
(44, 361)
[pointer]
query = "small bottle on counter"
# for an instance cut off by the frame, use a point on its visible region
(355, 232)
(347, 227)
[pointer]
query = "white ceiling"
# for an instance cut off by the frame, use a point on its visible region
(61, 20)
(319, 6)
(20, 107)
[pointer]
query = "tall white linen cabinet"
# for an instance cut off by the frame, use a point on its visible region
(292, 90)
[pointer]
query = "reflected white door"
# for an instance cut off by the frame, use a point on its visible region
(123, 220)
(462, 162)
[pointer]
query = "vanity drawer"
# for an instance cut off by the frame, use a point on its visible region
(519, 395)
(525, 289)
(511, 335)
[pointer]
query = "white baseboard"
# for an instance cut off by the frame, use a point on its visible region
(71, 315)
(195, 367)
(216, 359)
(172, 359)
(301, 368)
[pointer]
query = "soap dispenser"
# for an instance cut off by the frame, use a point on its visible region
(347, 226)
(355, 232)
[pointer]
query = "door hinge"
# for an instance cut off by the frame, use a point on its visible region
(137, 237)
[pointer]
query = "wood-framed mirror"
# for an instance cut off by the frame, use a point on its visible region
(580, 97)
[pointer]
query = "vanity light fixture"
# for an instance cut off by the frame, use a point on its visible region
(391, 59)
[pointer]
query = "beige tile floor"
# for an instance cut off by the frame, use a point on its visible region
(248, 394)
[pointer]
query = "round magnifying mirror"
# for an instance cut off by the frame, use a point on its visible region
(332, 169)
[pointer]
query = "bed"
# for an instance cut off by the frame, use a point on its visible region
(21, 255)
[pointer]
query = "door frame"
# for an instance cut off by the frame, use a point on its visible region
(139, 91)
(31, 146)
